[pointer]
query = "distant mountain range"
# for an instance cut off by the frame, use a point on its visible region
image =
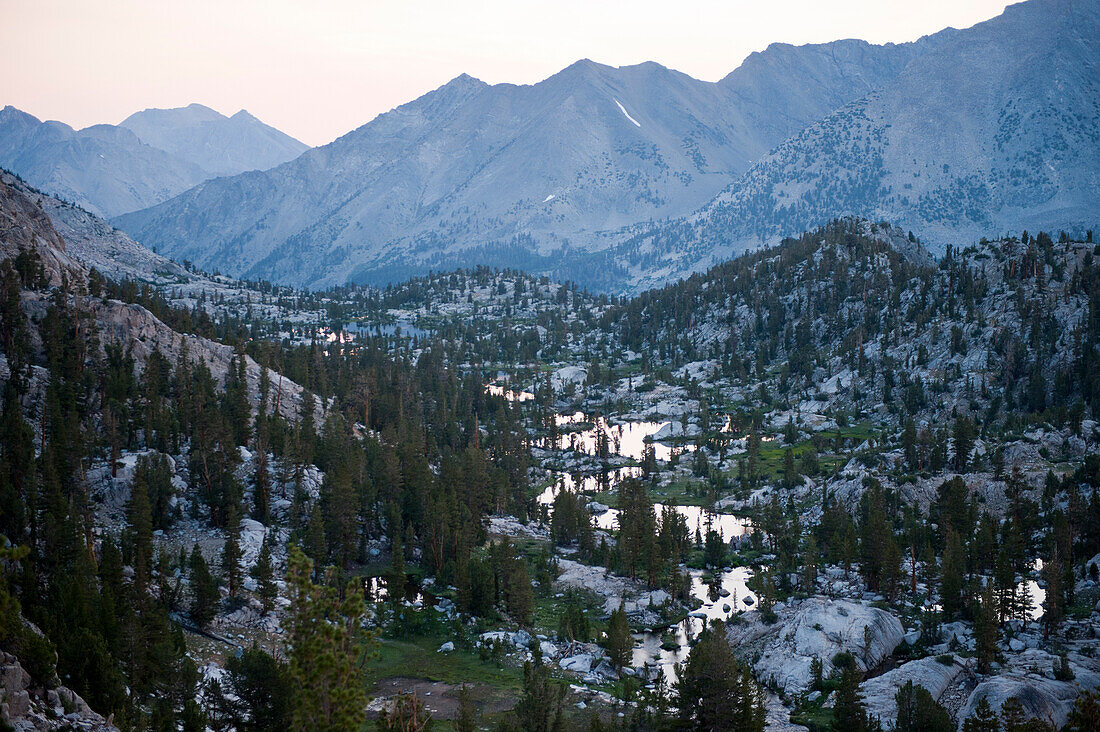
(998, 130)
(511, 175)
(148, 158)
(622, 178)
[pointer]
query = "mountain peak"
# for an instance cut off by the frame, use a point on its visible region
(464, 80)
(196, 107)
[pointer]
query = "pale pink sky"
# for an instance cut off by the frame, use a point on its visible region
(317, 69)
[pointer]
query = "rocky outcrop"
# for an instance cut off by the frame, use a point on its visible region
(26, 706)
(933, 675)
(1029, 678)
(639, 603)
(24, 226)
(820, 628)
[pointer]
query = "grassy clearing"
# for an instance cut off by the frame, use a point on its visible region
(419, 658)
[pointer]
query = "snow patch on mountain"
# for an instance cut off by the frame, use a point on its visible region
(627, 114)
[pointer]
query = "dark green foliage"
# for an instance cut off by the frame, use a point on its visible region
(204, 590)
(263, 689)
(1085, 714)
(849, 714)
(919, 712)
(263, 573)
(467, 715)
(715, 691)
(620, 644)
(541, 706)
(325, 649)
(984, 719)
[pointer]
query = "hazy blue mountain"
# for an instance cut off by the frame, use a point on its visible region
(997, 130)
(105, 169)
(218, 144)
(530, 176)
(623, 177)
(151, 157)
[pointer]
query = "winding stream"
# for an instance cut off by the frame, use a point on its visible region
(722, 598)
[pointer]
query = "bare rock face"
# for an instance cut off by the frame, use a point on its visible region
(1029, 678)
(24, 226)
(134, 326)
(817, 628)
(879, 692)
(25, 706)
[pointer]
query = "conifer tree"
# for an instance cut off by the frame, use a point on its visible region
(263, 692)
(140, 533)
(231, 555)
(951, 576)
(919, 712)
(1085, 715)
(540, 708)
(620, 644)
(263, 573)
(984, 719)
(1013, 718)
(849, 714)
(984, 612)
(715, 691)
(204, 590)
(466, 721)
(325, 649)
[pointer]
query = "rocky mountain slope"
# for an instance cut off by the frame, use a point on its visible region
(511, 175)
(960, 134)
(150, 157)
(26, 226)
(997, 129)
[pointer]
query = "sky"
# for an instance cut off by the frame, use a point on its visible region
(319, 68)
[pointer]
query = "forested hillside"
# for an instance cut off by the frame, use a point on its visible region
(837, 481)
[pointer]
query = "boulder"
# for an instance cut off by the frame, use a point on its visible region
(878, 692)
(1040, 698)
(1029, 677)
(818, 628)
(580, 664)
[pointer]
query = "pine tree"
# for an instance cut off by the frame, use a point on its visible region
(637, 525)
(1053, 604)
(620, 644)
(263, 573)
(919, 712)
(964, 434)
(231, 554)
(849, 714)
(715, 691)
(325, 648)
(984, 719)
(315, 544)
(1085, 716)
(790, 475)
(540, 707)
(262, 689)
(1013, 717)
(204, 590)
(984, 612)
(909, 445)
(951, 576)
(518, 596)
(466, 721)
(140, 534)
